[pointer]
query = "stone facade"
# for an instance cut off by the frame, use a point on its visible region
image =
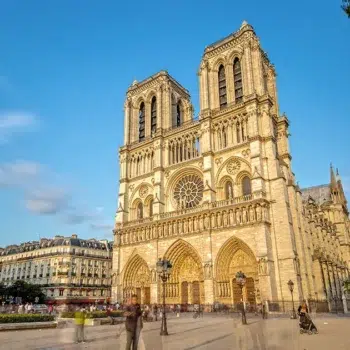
(69, 269)
(216, 194)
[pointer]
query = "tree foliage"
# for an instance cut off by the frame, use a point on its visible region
(346, 7)
(27, 291)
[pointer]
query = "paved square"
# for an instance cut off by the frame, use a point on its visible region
(185, 333)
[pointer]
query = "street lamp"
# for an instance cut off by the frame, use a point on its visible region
(164, 270)
(241, 280)
(291, 288)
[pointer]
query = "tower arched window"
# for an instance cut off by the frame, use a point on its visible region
(246, 186)
(139, 212)
(153, 115)
(151, 208)
(142, 122)
(237, 78)
(178, 114)
(228, 190)
(222, 87)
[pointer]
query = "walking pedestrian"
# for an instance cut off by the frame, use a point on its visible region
(133, 323)
(80, 316)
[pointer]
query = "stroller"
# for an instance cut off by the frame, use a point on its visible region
(306, 325)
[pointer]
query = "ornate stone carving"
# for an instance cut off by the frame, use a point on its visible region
(233, 166)
(218, 161)
(143, 191)
(263, 266)
(131, 187)
(208, 270)
(246, 153)
(167, 173)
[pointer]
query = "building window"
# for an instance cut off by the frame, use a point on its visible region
(228, 190)
(61, 292)
(237, 78)
(246, 186)
(151, 208)
(178, 114)
(222, 87)
(153, 115)
(142, 122)
(140, 211)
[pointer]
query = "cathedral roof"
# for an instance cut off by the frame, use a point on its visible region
(320, 194)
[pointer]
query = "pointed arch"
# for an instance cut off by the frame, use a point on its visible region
(142, 120)
(153, 115)
(234, 256)
(222, 86)
(237, 79)
(136, 279)
(186, 280)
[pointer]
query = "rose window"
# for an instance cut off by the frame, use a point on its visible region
(188, 192)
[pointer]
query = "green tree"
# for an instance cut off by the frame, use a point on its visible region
(27, 291)
(346, 7)
(2, 292)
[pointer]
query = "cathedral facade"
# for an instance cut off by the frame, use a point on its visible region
(216, 194)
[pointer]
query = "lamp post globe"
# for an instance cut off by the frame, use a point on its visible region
(164, 269)
(241, 281)
(291, 289)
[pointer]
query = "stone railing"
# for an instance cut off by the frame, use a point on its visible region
(212, 216)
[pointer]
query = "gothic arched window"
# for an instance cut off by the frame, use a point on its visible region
(246, 186)
(179, 113)
(139, 211)
(153, 115)
(151, 208)
(222, 87)
(142, 122)
(228, 190)
(237, 78)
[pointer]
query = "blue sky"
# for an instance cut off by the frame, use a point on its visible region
(65, 67)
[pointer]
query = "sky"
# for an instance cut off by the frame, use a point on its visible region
(65, 67)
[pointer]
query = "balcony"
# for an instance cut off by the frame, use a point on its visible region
(240, 211)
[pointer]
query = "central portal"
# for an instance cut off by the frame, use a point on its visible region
(185, 285)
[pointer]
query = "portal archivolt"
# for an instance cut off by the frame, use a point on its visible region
(185, 285)
(235, 256)
(137, 278)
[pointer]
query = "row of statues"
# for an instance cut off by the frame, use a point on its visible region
(199, 223)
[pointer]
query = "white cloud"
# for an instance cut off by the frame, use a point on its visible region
(13, 122)
(47, 201)
(19, 173)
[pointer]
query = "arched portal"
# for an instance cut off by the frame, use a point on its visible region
(235, 256)
(185, 285)
(137, 278)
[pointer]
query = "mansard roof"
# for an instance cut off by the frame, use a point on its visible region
(57, 241)
(320, 194)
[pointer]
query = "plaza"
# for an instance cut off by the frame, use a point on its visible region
(185, 333)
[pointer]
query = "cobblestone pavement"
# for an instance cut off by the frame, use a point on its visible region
(209, 332)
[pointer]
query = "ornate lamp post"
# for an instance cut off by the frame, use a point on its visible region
(241, 280)
(291, 288)
(164, 270)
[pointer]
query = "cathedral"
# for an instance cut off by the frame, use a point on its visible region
(216, 194)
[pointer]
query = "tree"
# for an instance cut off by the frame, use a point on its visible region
(27, 291)
(2, 292)
(346, 7)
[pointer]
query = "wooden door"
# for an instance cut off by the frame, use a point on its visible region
(195, 293)
(138, 293)
(250, 289)
(236, 291)
(147, 295)
(184, 293)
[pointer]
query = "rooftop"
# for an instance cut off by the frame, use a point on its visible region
(57, 241)
(320, 194)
